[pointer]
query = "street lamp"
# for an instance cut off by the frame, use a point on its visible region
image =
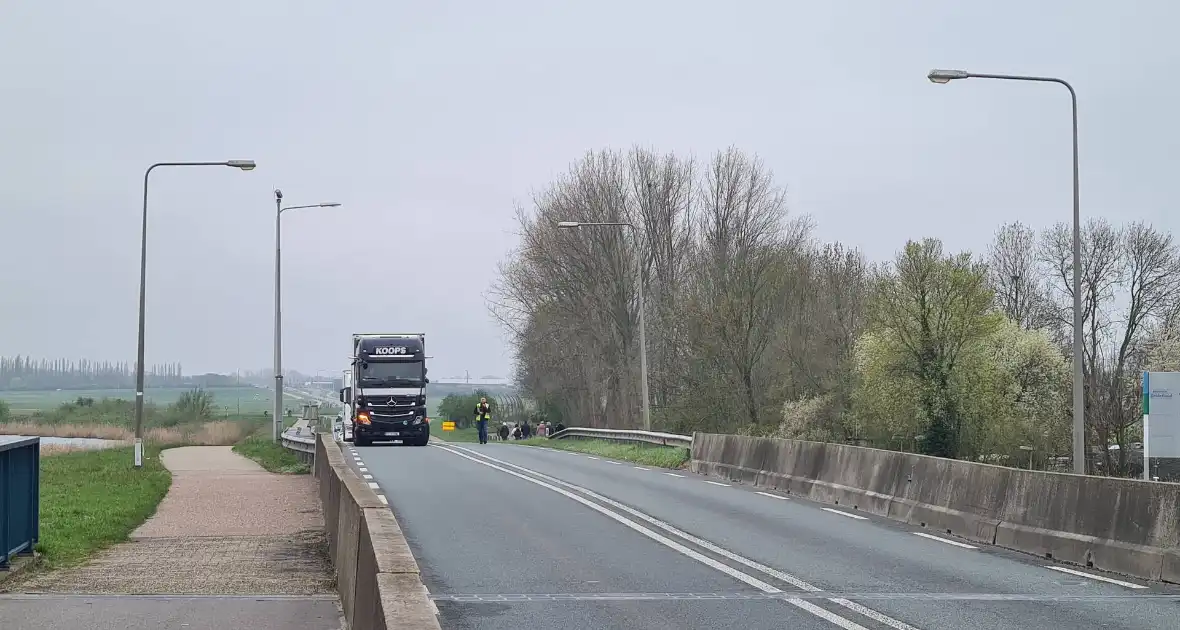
(573, 225)
(1079, 401)
(245, 165)
(278, 367)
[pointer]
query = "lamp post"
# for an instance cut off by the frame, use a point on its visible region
(573, 225)
(1079, 400)
(245, 165)
(278, 342)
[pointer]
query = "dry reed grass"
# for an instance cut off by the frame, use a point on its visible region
(100, 431)
(213, 433)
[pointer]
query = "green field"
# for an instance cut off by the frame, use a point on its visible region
(232, 400)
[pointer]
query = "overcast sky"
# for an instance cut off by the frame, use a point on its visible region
(429, 120)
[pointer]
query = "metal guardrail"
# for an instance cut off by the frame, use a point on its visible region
(622, 435)
(20, 496)
(296, 442)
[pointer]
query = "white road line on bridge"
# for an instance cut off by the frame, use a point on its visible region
(944, 540)
(364, 470)
(640, 468)
(1100, 578)
(589, 457)
(668, 542)
(367, 476)
(717, 483)
(704, 544)
(674, 475)
(773, 496)
(374, 485)
(856, 516)
(381, 498)
(615, 463)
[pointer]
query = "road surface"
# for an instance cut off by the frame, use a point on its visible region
(517, 537)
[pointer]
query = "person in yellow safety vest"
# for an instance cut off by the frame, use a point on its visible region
(483, 413)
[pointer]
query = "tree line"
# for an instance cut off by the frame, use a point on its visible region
(26, 373)
(754, 326)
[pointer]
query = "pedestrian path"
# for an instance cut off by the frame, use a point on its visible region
(230, 546)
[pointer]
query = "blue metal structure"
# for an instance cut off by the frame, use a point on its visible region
(20, 496)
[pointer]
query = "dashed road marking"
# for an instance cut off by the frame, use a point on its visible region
(773, 496)
(364, 470)
(674, 475)
(856, 516)
(367, 476)
(374, 485)
(717, 483)
(640, 468)
(589, 457)
(381, 497)
(615, 463)
(945, 540)
(1100, 578)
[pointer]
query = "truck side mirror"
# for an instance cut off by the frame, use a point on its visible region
(346, 395)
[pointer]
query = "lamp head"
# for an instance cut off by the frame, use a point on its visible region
(946, 76)
(245, 165)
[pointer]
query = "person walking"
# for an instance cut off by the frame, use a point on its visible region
(483, 413)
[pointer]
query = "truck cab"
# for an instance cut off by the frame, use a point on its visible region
(386, 395)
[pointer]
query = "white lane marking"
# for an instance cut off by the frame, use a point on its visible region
(589, 457)
(374, 485)
(1100, 578)
(367, 476)
(856, 516)
(640, 468)
(717, 483)
(704, 544)
(363, 469)
(674, 475)
(945, 540)
(663, 540)
(615, 463)
(773, 496)
(382, 498)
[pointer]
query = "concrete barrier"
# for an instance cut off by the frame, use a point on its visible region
(1121, 525)
(376, 574)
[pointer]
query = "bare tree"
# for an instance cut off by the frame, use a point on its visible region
(1017, 278)
(745, 253)
(1130, 285)
(663, 188)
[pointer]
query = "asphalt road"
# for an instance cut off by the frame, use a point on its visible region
(516, 537)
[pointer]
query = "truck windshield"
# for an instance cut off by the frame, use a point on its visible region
(393, 371)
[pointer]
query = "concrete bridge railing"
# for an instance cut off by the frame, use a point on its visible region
(1122, 525)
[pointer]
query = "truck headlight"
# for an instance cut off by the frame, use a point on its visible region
(418, 420)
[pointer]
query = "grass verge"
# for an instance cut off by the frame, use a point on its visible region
(271, 456)
(93, 499)
(470, 434)
(647, 455)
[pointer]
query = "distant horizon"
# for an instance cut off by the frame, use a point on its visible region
(40, 360)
